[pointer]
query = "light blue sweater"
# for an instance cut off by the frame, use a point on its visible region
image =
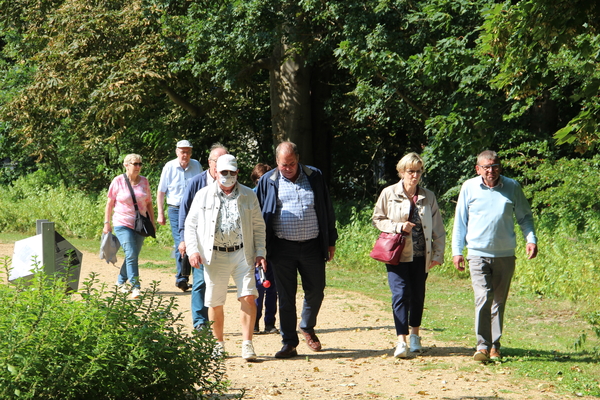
(484, 218)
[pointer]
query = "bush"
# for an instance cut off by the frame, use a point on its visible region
(98, 344)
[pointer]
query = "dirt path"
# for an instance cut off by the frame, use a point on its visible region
(357, 360)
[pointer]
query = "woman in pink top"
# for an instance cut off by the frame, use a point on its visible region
(123, 219)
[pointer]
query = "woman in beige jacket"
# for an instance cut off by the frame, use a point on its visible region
(424, 249)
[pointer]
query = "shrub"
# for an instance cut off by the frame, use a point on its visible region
(98, 344)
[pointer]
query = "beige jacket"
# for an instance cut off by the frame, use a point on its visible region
(391, 212)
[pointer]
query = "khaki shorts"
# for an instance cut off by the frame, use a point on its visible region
(224, 265)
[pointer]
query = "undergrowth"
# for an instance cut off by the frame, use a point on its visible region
(95, 343)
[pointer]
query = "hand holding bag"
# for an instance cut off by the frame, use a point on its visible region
(389, 246)
(186, 267)
(143, 224)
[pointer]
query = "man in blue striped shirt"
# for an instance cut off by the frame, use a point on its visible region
(301, 237)
(484, 223)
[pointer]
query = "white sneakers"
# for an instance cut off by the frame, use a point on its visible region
(401, 350)
(415, 344)
(248, 353)
(122, 287)
(125, 288)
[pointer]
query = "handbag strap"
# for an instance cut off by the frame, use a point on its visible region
(131, 191)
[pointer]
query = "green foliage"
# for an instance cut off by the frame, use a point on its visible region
(545, 50)
(39, 196)
(563, 192)
(75, 214)
(356, 238)
(98, 344)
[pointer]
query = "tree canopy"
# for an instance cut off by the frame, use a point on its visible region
(355, 84)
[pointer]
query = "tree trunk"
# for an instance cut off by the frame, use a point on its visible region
(290, 102)
(322, 132)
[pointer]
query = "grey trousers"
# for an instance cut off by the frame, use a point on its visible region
(491, 277)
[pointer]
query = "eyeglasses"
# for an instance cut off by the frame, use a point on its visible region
(495, 167)
(225, 173)
(413, 172)
(136, 164)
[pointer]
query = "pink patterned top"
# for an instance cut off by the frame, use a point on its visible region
(124, 211)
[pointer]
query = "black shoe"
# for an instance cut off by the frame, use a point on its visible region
(203, 329)
(183, 285)
(271, 329)
(287, 351)
(256, 329)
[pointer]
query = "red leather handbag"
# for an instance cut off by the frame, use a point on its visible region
(388, 248)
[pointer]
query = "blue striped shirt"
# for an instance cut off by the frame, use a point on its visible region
(295, 218)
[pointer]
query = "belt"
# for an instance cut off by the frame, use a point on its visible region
(228, 249)
(173, 206)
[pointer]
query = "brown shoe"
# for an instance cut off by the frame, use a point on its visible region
(481, 355)
(495, 354)
(311, 339)
(287, 351)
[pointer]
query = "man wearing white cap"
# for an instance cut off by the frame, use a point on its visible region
(173, 181)
(225, 231)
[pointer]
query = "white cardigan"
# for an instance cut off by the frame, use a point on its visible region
(391, 212)
(201, 221)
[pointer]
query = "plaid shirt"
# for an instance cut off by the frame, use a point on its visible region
(295, 218)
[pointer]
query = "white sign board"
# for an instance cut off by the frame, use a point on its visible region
(28, 252)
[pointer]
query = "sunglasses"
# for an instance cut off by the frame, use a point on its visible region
(225, 173)
(136, 164)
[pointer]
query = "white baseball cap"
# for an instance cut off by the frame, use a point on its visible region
(227, 162)
(184, 143)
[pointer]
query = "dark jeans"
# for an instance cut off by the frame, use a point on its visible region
(267, 296)
(407, 283)
(290, 259)
(174, 221)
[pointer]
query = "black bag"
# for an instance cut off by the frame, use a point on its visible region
(143, 225)
(186, 267)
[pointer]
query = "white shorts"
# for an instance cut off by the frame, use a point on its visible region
(216, 275)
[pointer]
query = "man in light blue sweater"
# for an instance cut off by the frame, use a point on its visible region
(484, 223)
